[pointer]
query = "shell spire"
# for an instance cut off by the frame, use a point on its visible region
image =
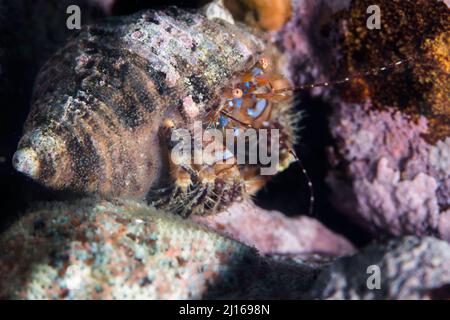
(43, 158)
(99, 102)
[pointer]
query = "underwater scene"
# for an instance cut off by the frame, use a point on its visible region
(225, 149)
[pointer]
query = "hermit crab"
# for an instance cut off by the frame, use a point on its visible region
(107, 109)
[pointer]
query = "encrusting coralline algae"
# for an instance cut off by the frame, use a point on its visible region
(107, 106)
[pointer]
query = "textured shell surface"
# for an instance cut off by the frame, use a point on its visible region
(99, 102)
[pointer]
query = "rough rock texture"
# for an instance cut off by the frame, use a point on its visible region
(100, 101)
(100, 250)
(271, 232)
(389, 159)
(264, 14)
(410, 268)
(418, 29)
(31, 30)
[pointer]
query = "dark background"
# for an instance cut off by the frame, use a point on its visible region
(31, 30)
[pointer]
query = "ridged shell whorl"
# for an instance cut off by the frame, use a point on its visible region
(99, 102)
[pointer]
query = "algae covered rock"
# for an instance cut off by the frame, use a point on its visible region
(409, 268)
(265, 14)
(389, 167)
(93, 249)
(100, 250)
(409, 29)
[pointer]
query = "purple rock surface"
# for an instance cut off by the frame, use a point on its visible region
(394, 181)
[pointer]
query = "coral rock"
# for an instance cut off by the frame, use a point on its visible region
(410, 268)
(265, 14)
(389, 160)
(99, 102)
(272, 232)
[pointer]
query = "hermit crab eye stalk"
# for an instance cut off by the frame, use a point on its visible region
(264, 63)
(237, 93)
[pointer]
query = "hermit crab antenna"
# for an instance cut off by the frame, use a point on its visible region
(370, 72)
(308, 180)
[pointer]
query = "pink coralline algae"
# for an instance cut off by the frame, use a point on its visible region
(271, 232)
(395, 181)
(311, 55)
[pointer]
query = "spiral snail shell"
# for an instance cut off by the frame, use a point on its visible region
(99, 103)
